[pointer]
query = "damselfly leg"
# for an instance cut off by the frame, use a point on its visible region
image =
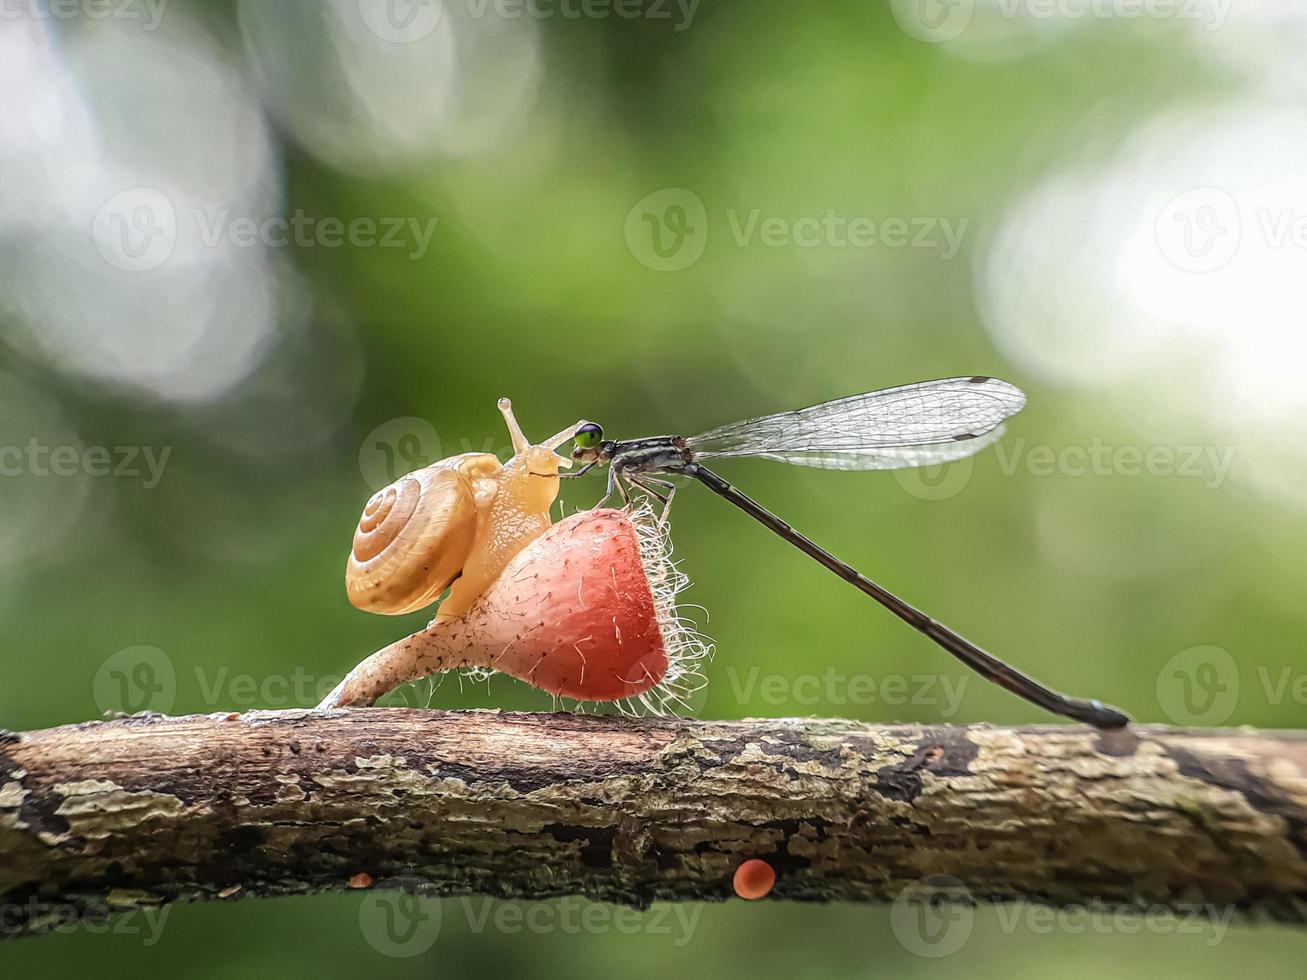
(644, 483)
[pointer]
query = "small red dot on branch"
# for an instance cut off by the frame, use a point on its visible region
(754, 879)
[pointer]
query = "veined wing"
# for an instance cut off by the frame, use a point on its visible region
(888, 458)
(911, 425)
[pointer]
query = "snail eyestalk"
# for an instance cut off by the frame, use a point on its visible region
(520, 445)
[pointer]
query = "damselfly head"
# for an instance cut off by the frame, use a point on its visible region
(587, 444)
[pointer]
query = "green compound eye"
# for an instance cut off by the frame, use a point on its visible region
(589, 435)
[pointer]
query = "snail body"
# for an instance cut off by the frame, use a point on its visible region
(457, 522)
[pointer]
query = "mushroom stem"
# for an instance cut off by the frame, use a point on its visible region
(441, 646)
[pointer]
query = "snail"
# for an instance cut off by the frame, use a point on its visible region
(453, 525)
(586, 610)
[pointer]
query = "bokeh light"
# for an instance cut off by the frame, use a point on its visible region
(268, 254)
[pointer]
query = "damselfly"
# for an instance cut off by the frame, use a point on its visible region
(912, 425)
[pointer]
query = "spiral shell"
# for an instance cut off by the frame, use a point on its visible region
(415, 535)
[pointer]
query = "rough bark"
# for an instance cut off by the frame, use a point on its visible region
(111, 815)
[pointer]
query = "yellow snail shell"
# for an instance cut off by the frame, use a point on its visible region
(415, 535)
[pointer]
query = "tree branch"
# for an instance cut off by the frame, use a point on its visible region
(108, 816)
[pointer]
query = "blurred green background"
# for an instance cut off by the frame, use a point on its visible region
(662, 218)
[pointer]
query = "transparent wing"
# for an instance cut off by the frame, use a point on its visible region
(912, 425)
(889, 458)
